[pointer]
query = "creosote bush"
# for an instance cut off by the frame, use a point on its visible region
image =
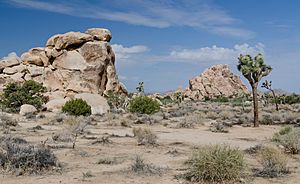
(17, 155)
(143, 105)
(215, 163)
(77, 107)
(273, 161)
(15, 95)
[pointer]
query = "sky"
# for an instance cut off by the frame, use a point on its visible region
(164, 43)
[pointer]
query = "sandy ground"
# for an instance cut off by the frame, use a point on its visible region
(83, 159)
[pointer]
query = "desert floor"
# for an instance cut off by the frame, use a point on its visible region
(105, 138)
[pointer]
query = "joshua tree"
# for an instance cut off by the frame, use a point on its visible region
(268, 86)
(253, 70)
(140, 88)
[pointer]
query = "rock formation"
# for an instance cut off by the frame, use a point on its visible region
(217, 80)
(71, 63)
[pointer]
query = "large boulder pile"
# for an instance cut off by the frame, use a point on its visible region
(215, 81)
(70, 63)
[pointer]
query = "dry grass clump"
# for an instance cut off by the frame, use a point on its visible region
(216, 163)
(289, 138)
(144, 136)
(226, 115)
(273, 161)
(140, 167)
(7, 121)
(73, 126)
(18, 156)
(212, 115)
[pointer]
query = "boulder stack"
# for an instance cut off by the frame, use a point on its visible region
(70, 63)
(215, 81)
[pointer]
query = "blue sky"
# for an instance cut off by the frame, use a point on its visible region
(165, 43)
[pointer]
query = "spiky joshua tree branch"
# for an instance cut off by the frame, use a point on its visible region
(253, 70)
(268, 85)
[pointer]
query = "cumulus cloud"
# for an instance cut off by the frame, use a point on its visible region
(215, 53)
(201, 14)
(10, 56)
(123, 52)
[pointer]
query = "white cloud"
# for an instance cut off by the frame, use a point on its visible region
(153, 13)
(215, 53)
(123, 53)
(236, 32)
(11, 56)
(48, 6)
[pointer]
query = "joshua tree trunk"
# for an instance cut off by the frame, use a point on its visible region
(275, 99)
(255, 104)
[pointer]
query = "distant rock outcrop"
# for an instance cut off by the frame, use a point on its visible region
(215, 81)
(71, 63)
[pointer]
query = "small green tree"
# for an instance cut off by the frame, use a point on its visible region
(17, 94)
(143, 105)
(253, 70)
(77, 107)
(268, 85)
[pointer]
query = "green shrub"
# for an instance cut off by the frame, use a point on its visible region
(287, 99)
(15, 95)
(143, 105)
(216, 163)
(273, 161)
(77, 107)
(219, 99)
(289, 138)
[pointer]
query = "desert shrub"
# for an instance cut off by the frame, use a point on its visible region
(289, 138)
(17, 155)
(73, 126)
(220, 99)
(266, 119)
(253, 149)
(166, 100)
(282, 131)
(190, 121)
(273, 161)
(215, 163)
(225, 115)
(7, 121)
(287, 99)
(212, 115)
(140, 167)
(116, 101)
(144, 136)
(77, 107)
(143, 105)
(15, 95)
(219, 127)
